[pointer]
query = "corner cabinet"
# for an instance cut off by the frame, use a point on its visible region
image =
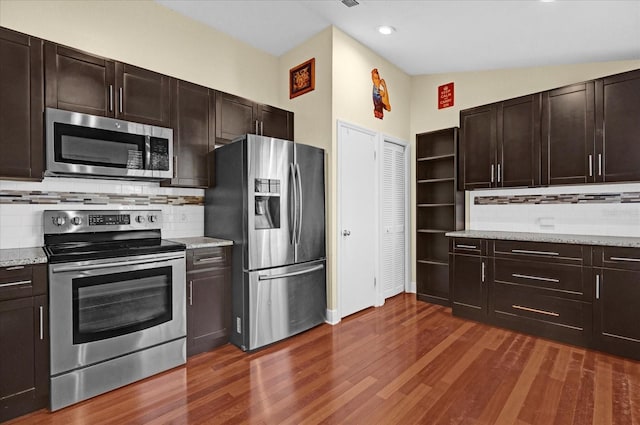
(208, 298)
(82, 82)
(193, 123)
(616, 276)
(439, 209)
(236, 116)
(24, 340)
(21, 106)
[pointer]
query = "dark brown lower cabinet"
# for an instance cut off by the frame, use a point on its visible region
(208, 298)
(578, 294)
(469, 275)
(24, 340)
(617, 291)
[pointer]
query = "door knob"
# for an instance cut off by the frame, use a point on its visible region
(346, 233)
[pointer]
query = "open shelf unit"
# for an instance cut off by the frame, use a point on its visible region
(439, 209)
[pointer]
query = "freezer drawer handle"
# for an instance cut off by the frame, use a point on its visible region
(526, 276)
(299, 272)
(526, 251)
(535, 310)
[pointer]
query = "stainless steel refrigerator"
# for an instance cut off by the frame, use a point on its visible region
(269, 199)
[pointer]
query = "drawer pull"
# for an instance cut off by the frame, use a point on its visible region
(631, 260)
(467, 246)
(535, 310)
(526, 251)
(207, 260)
(14, 268)
(22, 282)
(544, 279)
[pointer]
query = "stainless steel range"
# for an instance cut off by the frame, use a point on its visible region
(117, 301)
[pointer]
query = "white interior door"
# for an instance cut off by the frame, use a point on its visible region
(393, 219)
(357, 221)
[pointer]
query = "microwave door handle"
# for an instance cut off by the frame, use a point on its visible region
(147, 152)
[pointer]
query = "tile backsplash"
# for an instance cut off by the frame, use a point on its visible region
(602, 209)
(22, 203)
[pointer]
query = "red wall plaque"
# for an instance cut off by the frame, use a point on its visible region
(445, 96)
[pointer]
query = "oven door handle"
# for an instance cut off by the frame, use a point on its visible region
(125, 263)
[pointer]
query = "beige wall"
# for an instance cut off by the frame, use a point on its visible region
(480, 88)
(148, 35)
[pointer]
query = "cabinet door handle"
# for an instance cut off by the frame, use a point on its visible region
(207, 260)
(597, 287)
(256, 122)
(466, 246)
(535, 310)
(492, 174)
(499, 173)
(599, 164)
(121, 95)
(526, 251)
(14, 268)
(483, 272)
(590, 165)
(21, 282)
(110, 98)
(262, 128)
(41, 322)
(630, 260)
(191, 292)
(544, 279)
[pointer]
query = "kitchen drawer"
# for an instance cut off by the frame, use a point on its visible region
(208, 258)
(537, 312)
(617, 258)
(560, 280)
(542, 251)
(22, 281)
(467, 246)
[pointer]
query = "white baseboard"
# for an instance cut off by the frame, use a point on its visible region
(412, 288)
(333, 318)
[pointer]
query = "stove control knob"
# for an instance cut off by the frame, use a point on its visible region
(59, 220)
(76, 220)
(140, 219)
(152, 218)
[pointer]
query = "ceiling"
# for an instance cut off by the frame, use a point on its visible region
(438, 36)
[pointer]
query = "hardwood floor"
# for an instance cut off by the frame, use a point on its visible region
(406, 362)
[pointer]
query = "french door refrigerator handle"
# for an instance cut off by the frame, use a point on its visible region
(299, 182)
(296, 273)
(292, 178)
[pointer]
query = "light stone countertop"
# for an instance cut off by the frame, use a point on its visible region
(22, 256)
(202, 242)
(619, 241)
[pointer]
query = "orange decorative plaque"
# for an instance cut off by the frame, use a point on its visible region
(302, 78)
(445, 96)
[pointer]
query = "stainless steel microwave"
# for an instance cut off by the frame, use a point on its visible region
(84, 145)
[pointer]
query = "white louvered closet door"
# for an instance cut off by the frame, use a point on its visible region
(393, 219)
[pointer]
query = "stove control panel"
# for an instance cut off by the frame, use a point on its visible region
(57, 222)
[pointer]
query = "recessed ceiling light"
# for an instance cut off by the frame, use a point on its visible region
(386, 29)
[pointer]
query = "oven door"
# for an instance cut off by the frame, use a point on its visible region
(103, 309)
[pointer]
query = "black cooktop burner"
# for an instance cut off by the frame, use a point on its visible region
(83, 251)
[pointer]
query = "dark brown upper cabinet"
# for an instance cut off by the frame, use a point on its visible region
(81, 82)
(21, 106)
(617, 155)
(193, 123)
(568, 131)
(499, 144)
(236, 116)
